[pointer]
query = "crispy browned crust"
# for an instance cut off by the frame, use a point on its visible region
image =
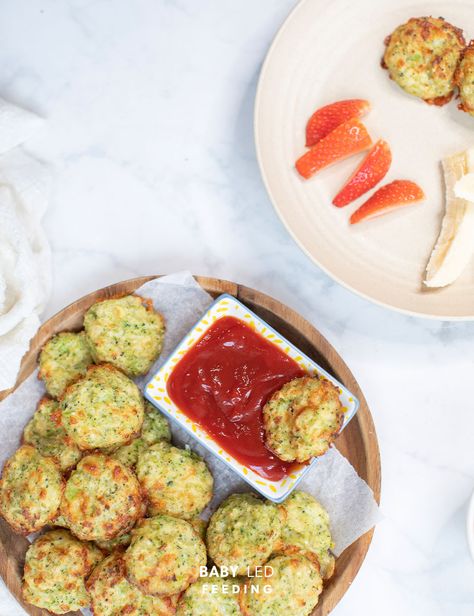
(458, 77)
(425, 25)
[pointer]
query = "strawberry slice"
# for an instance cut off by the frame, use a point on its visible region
(397, 194)
(327, 118)
(344, 141)
(373, 168)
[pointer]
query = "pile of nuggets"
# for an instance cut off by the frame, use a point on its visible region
(118, 505)
(428, 57)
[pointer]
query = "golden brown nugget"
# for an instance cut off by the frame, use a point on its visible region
(421, 57)
(243, 532)
(63, 359)
(125, 332)
(295, 585)
(199, 600)
(165, 556)
(31, 488)
(102, 409)
(175, 481)
(464, 79)
(102, 499)
(306, 529)
(56, 566)
(302, 418)
(45, 432)
(113, 595)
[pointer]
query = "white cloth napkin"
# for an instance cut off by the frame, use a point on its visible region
(25, 261)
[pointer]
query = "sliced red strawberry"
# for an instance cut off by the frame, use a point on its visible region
(373, 168)
(345, 140)
(397, 194)
(327, 118)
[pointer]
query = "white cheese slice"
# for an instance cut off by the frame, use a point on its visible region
(455, 245)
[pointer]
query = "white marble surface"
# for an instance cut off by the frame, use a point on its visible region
(149, 134)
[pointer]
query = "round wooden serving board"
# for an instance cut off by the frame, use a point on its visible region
(358, 442)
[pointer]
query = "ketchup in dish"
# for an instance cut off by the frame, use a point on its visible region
(222, 384)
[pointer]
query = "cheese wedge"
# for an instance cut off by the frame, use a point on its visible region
(455, 245)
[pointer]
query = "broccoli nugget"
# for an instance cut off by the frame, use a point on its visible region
(465, 80)
(56, 565)
(65, 357)
(302, 418)
(165, 555)
(243, 532)
(45, 432)
(421, 57)
(306, 529)
(175, 481)
(125, 332)
(113, 595)
(102, 499)
(295, 586)
(102, 409)
(31, 488)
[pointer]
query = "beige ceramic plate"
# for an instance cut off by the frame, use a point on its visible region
(327, 51)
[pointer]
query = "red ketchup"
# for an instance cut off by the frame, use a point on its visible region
(222, 384)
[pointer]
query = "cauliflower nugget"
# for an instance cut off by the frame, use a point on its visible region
(31, 488)
(421, 57)
(207, 598)
(465, 79)
(165, 556)
(56, 565)
(102, 499)
(63, 359)
(302, 419)
(175, 481)
(306, 529)
(155, 428)
(243, 532)
(125, 332)
(295, 585)
(102, 409)
(45, 432)
(113, 595)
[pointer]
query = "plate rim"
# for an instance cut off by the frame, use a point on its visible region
(257, 104)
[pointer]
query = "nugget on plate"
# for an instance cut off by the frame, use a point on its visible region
(102, 409)
(56, 565)
(465, 79)
(421, 57)
(113, 595)
(305, 529)
(102, 499)
(210, 597)
(295, 585)
(243, 532)
(175, 481)
(63, 359)
(165, 555)
(31, 487)
(45, 432)
(126, 332)
(155, 428)
(302, 418)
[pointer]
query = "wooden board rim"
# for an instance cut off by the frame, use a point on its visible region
(12, 547)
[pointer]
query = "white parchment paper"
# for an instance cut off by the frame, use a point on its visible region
(333, 481)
